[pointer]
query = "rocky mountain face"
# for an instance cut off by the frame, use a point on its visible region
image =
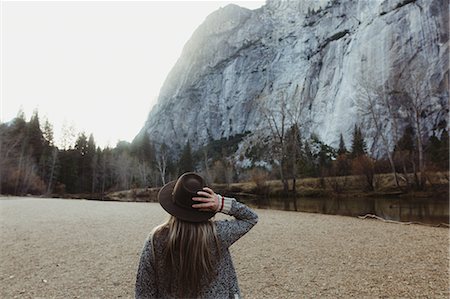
(307, 56)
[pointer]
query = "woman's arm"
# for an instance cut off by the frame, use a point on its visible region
(229, 231)
(145, 279)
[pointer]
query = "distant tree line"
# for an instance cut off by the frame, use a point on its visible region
(310, 157)
(31, 163)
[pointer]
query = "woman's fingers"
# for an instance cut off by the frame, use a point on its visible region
(203, 205)
(209, 190)
(207, 200)
(204, 194)
(202, 199)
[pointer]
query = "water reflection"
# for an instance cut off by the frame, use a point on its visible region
(431, 211)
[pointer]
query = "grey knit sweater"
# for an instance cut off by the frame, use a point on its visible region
(152, 280)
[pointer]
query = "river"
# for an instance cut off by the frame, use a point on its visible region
(428, 210)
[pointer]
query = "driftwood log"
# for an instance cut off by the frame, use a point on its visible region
(400, 222)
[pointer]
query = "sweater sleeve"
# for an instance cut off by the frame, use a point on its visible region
(229, 231)
(145, 279)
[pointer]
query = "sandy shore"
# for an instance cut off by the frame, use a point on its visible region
(56, 248)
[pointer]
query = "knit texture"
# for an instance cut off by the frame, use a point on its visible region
(152, 280)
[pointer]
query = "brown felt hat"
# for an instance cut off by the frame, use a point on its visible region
(176, 198)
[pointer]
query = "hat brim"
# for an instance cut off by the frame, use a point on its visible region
(190, 215)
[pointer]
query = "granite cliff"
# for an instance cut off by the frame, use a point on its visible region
(310, 53)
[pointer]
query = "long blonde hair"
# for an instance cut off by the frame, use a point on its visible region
(187, 255)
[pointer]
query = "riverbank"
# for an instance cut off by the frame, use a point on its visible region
(327, 187)
(83, 249)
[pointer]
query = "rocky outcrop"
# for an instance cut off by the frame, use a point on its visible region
(312, 52)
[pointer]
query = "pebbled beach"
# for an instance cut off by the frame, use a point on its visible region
(56, 248)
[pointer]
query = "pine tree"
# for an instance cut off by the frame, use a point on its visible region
(293, 151)
(406, 142)
(342, 149)
(35, 137)
(81, 144)
(69, 173)
(438, 151)
(307, 166)
(81, 149)
(19, 125)
(48, 164)
(359, 146)
(144, 152)
(143, 149)
(325, 154)
(90, 164)
(12, 138)
(404, 152)
(444, 150)
(47, 133)
(186, 163)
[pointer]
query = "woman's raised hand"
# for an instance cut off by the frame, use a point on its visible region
(209, 201)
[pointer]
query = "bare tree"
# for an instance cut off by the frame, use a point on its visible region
(52, 170)
(206, 162)
(284, 118)
(374, 103)
(162, 161)
(276, 118)
(416, 99)
(123, 167)
(222, 171)
(143, 171)
(228, 170)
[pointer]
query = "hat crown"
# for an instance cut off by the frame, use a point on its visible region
(186, 188)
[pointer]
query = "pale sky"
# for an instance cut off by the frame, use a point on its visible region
(96, 66)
